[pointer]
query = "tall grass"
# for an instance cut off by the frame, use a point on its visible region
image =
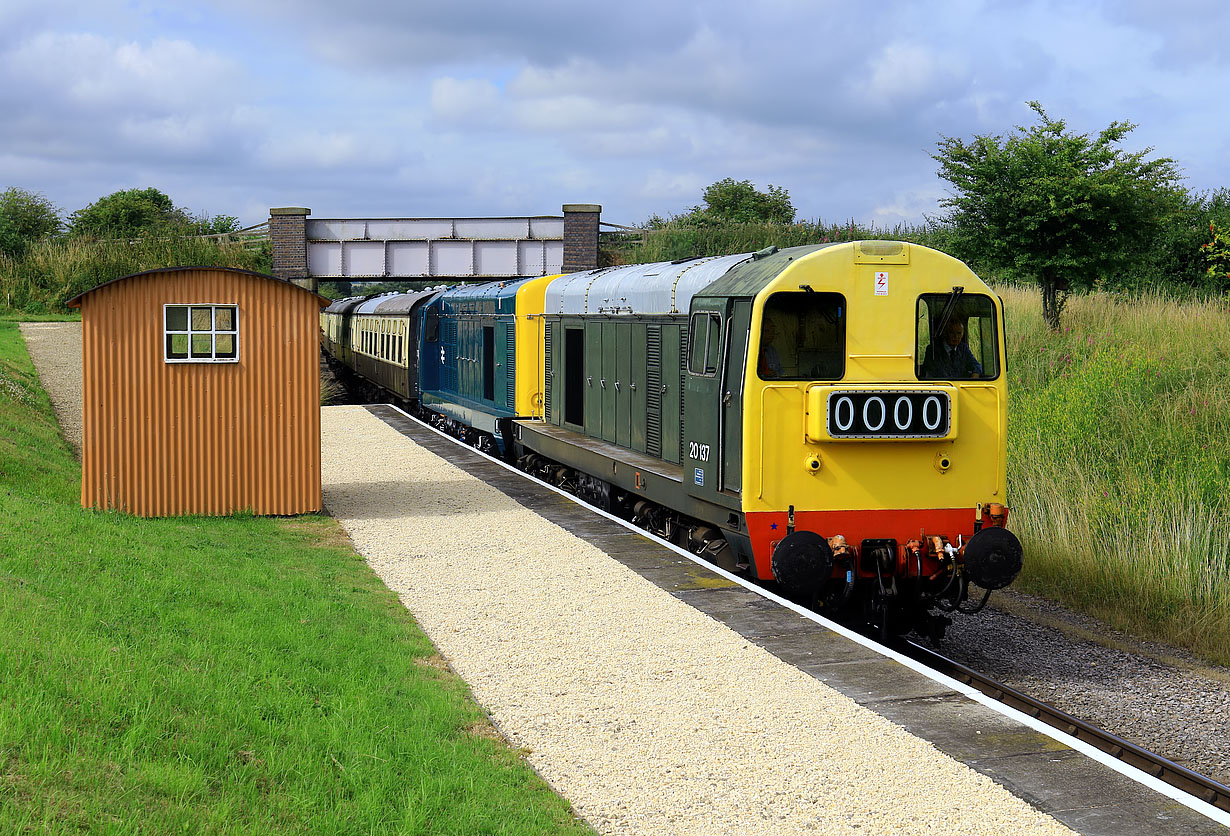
(53, 271)
(676, 240)
(1119, 471)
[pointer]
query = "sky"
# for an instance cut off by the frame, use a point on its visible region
(480, 108)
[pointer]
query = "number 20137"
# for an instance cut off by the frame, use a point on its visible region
(699, 452)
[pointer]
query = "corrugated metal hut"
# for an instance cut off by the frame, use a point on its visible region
(201, 390)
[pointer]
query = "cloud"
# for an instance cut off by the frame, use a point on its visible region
(1189, 33)
(95, 73)
(384, 34)
(903, 72)
(313, 150)
(482, 107)
(89, 96)
(467, 103)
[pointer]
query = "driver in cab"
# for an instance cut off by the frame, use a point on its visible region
(951, 357)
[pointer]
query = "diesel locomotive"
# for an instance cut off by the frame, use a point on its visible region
(830, 418)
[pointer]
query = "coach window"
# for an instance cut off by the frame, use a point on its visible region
(803, 337)
(705, 343)
(956, 337)
(200, 333)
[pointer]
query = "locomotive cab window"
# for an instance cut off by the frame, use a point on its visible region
(957, 337)
(200, 333)
(803, 337)
(705, 344)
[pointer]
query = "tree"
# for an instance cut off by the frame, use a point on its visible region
(206, 225)
(1061, 208)
(12, 245)
(740, 202)
(132, 213)
(25, 217)
(127, 213)
(731, 201)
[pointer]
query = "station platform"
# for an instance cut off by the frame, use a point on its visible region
(1020, 779)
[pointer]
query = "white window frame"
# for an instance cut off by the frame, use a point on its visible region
(213, 332)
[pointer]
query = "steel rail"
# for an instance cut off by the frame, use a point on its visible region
(1163, 769)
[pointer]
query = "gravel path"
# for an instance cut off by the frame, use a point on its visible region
(648, 716)
(55, 348)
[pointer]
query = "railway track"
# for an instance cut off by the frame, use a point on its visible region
(1195, 784)
(1200, 786)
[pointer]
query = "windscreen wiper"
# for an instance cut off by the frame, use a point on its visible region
(950, 308)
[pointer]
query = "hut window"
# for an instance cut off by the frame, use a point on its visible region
(200, 333)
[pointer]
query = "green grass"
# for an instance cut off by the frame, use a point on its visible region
(1118, 469)
(219, 675)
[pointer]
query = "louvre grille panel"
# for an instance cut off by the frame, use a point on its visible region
(683, 369)
(653, 395)
(448, 377)
(510, 367)
(546, 395)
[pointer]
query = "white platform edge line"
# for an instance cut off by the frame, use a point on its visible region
(1127, 770)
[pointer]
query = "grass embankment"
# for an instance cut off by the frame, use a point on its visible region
(52, 272)
(1118, 470)
(219, 675)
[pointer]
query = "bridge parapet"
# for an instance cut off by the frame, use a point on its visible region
(310, 250)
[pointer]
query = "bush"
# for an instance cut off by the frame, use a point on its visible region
(1176, 260)
(1217, 255)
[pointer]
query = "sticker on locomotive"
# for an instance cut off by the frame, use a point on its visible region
(881, 284)
(699, 478)
(700, 452)
(889, 414)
